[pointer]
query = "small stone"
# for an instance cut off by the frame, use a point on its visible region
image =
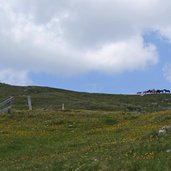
(95, 160)
(70, 126)
(168, 151)
(162, 132)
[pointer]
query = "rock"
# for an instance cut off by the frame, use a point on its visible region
(70, 126)
(162, 132)
(168, 151)
(167, 128)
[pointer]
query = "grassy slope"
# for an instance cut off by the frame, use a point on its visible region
(111, 135)
(50, 98)
(84, 140)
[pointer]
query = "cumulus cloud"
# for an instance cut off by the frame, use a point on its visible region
(75, 37)
(14, 77)
(122, 56)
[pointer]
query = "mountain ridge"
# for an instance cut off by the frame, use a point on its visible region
(53, 98)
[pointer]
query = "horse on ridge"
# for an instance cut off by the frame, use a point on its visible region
(166, 91)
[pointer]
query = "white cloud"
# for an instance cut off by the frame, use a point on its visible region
(122, 56)
(14, 77)
(74, 37)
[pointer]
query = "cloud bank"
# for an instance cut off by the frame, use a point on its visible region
(73, 37)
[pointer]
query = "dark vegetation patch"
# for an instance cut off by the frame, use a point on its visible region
(161, 118)
(110, 121)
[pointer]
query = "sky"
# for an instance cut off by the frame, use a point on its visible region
(103, 46)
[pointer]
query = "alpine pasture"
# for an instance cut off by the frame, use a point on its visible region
(95, 131)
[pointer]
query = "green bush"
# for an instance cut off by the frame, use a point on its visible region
(110, 121)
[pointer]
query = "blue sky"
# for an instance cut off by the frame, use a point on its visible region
(124, 83)
(101, 46)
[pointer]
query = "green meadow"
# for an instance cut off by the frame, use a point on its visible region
(95, 132)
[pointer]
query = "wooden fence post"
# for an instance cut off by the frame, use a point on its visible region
(5, 103)
(63, 106)
(29, 102)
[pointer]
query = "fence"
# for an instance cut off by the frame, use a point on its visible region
(4, 103)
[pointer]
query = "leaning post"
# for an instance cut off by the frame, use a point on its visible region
(10, 107)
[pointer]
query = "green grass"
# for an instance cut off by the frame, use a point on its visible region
(84, 140)
(52, 99)
(96, 132)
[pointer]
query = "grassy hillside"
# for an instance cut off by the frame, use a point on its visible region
(85, 141)
(51, 98)
(96, 132)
